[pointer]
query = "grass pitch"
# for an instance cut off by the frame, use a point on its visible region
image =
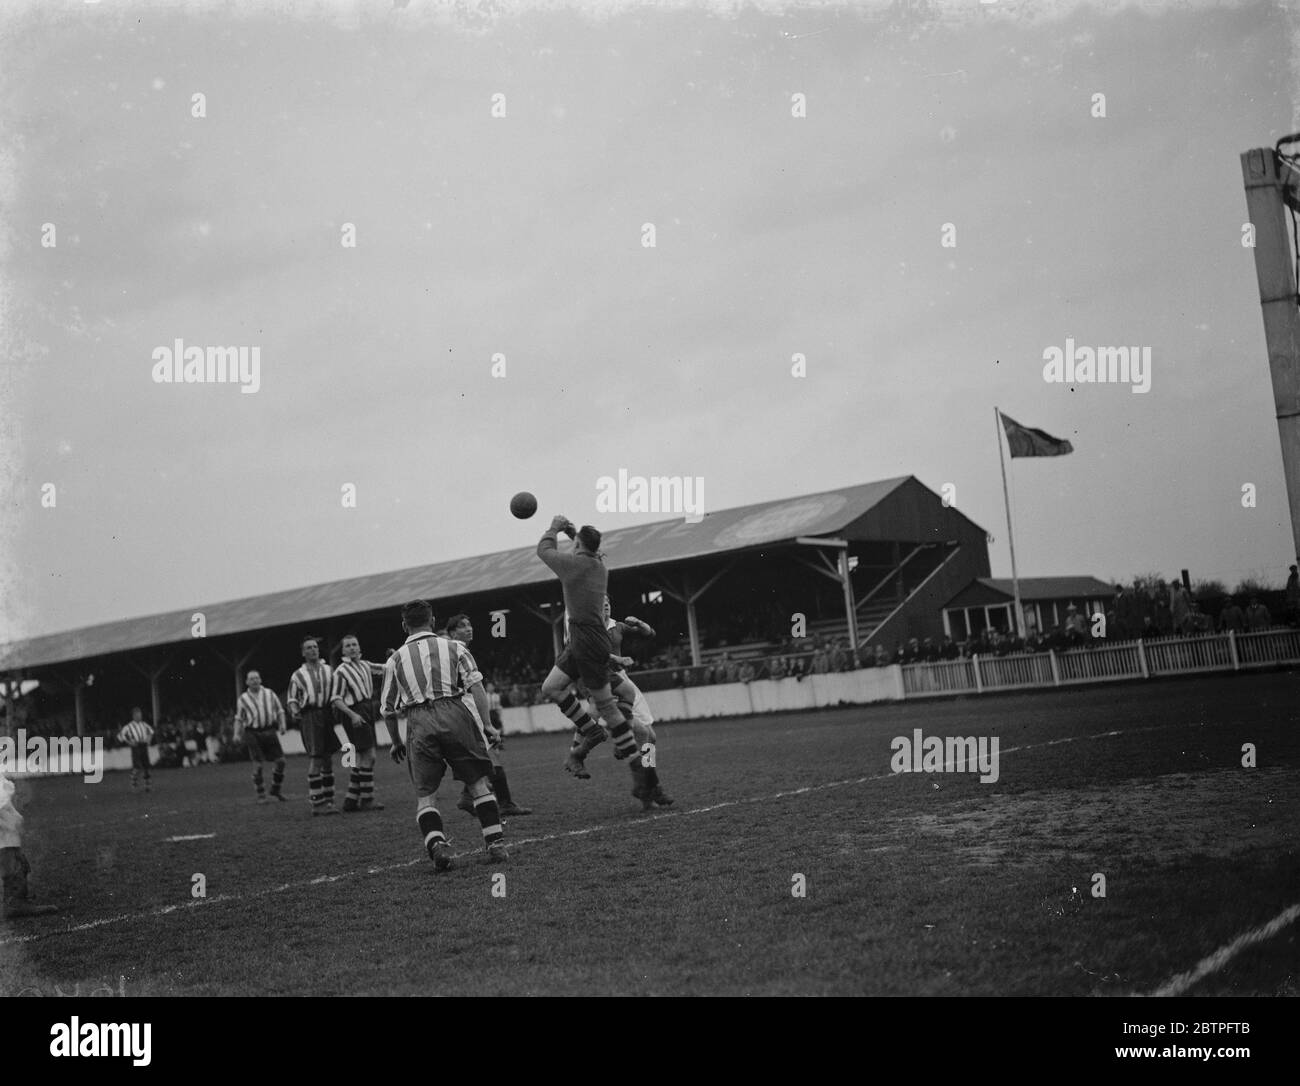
(916, 884)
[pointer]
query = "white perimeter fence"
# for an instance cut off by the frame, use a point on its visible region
(1104, 663)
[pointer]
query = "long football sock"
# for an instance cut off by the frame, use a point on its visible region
(366, 782)
(257, 781)
(315, 792)
(501, 786)
(619, 728)
(327, 785)
(277, 778)
(641, 787)
(430, 823)
(353, 798)
(489, 818)
(573, 709)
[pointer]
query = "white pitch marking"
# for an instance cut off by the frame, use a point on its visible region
(193, 837)
(659, 817)
(1178, 985)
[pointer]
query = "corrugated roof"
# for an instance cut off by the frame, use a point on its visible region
(765, 523)
(1051, 588)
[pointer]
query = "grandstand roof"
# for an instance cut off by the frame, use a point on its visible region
(985, 589)
(642, 545)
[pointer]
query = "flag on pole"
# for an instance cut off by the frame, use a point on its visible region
(1026, 441)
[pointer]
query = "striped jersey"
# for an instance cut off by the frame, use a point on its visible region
(136, 733)
(354, 681)
(311, 690)
(424, 669)
(260, 710)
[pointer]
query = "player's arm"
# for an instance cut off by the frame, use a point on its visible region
(388, 707)
(295, 699)
(337, 702)
(481, 704)
(472, 680)
(643, 628)
(548, 547)
(281, 724)
(336, 699)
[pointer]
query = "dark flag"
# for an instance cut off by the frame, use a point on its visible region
(1024, 441)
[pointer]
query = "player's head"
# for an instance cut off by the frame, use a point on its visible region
(588, 539)
(605, 608)
(253, 680)
(351, 647)
(459, 628)
(310, 646)
(137, 713)
(417, 615)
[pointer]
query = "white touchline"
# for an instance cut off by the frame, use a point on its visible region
(660, 817)
(1221, 957)
(193, 837)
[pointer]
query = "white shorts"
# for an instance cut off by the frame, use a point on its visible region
(641, 713)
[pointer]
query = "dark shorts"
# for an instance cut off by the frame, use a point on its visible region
(263, 744)
(585, 658)
(361, 736)
(140, 756)
(495, 716)
(441, 735)
(318, 737)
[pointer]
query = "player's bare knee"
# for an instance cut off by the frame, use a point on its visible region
(480, 788)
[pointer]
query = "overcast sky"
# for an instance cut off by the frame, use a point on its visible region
(523, 235)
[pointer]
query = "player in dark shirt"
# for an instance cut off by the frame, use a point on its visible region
(585, 659)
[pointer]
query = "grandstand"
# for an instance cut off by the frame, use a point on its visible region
(872, 563)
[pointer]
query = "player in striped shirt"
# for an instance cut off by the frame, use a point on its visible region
(137, 734)
(427, 678)
(259, 721)
(352, 696)
(309, 695)
(459, 628)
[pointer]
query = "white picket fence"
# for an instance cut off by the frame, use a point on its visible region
(1105, 663)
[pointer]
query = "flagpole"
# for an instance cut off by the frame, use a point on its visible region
(1011, 539)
